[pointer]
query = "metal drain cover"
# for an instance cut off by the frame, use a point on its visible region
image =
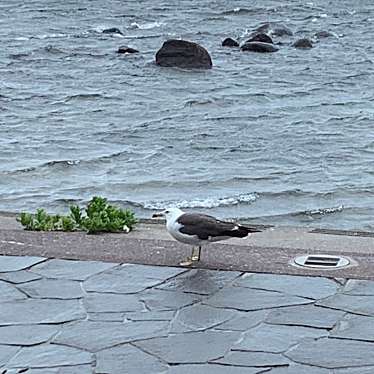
(322, 261)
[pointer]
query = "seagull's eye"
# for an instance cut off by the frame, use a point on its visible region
(167, 211)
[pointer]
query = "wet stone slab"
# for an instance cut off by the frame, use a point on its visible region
(194, 347)
(305, 315)
(71, 269)
(355, 327)
(200, 281)
(18, 277)
(276, 338)
(350, 303)
(10, 293)
(84, 335)
(248, 299)
(112, 303)
(27, 335)
(49, 355)
(15, 263)
(130, 278)
(127, 359)
(308, 287)
(333, 353)
(244, 321)
(359, 287)
(53, 289)
(33, 311)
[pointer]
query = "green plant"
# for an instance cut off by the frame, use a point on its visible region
(99, 217)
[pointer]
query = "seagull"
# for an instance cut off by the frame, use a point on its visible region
(197, 229)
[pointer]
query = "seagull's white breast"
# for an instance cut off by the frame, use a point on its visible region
(173, 228)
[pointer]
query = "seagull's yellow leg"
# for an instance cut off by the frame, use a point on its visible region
(195, 257)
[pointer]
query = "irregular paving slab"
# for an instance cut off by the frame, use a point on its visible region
(15, 263)
(6, 353)
(354, 304)
(309, 287)
(130, 278)
(18, 277)
(9, 293)
(366, 370)
(167, 300)
(53, 289)
(212, 369)
(275, 338)
(199, 317)
(200, 281)
(253, 359)
(300, 369)
(48, 356)
(34, 311)
(194, 347)
(71, 269)
(79, 369)
(112, 303)
(359, 287)
(305, 315)
(244, 321)
(164, 315)
(95, 336)
(127, 359)
(106, 317)
(333, 353)
(355, 327)
(247, 299)
(27, 335)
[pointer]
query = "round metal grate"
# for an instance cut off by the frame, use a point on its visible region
(322, 261)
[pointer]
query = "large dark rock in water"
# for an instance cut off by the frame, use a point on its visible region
(276, 29)
(126, 49)
(229, 42)
(112, 30)
(260, 37)
(183, 54)
(259, 47)
(303, 43)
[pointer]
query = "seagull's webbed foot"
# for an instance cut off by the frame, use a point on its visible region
(195, 257)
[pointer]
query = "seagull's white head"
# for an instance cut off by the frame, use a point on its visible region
(170, 214)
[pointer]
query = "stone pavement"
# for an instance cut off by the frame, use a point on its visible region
(80, 317)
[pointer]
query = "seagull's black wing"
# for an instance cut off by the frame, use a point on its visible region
(205, 227)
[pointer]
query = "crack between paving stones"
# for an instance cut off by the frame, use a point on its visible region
(160, 359)
(346, 311)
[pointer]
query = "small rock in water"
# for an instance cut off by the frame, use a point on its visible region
(259, 47)
(303, 43)
(126, 49)
(276, 29)
(229, 42)
(183, 54)
(112, 30)
(260, 37)
(323, 34)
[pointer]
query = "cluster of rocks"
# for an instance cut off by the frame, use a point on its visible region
(186, 54)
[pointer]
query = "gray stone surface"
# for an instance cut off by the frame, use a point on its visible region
(6, 353)
(350, 303)
(95, 336)
(27, 335)
(199, 317)
(355, 327)
(212, 369)
(130, 278)
(253, 359)
(53, 289)
(71, 269)
(333, 353)
(244, 321)
(359, 287)
(18, 277)
(9, 293)
(168, 300)
(48, 356)
(164, 315)
(366, 370)
(300, 369)
(106, 317)
(243, 298)
(32, 311)
(127, 359)
(194, 347)
(309, 287)
(200, 281)
(305, 315)
(276, 338)
(111, 303)
(15, 263)
(79, 369)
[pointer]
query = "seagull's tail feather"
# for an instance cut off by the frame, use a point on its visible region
(240, 231)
